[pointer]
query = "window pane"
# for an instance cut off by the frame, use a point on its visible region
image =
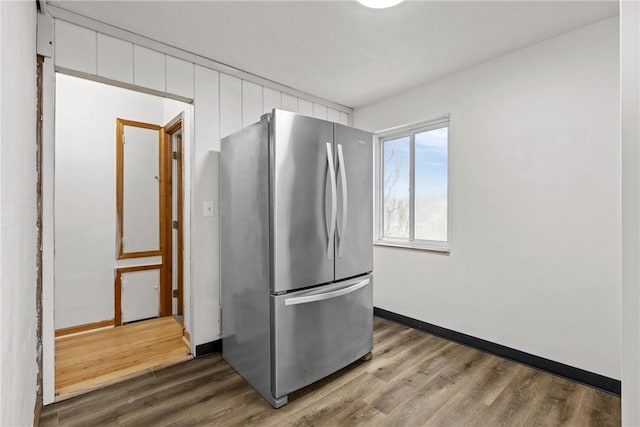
(431, 185)
(396, 188)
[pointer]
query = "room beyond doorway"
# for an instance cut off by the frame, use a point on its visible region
(118, 185)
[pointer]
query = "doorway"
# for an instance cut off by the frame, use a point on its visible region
(118, 233)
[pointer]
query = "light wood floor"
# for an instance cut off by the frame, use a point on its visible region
(414, 379)
(94, 359)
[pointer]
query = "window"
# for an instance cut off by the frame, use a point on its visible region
(413, 205)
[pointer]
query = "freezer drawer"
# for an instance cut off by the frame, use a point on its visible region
(319, 331)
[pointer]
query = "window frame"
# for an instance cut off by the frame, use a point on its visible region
(399, 132)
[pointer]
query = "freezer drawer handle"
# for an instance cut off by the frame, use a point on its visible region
(334, 202)
(326, 295)
(345, 200)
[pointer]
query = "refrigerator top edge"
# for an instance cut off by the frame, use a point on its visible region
(280, 111)
(244, 129)
(276, 112)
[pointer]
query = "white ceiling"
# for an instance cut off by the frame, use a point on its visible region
(340, 50)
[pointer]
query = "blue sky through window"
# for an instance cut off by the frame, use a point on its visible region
(396, 187)
(431, 185)
(431, 167)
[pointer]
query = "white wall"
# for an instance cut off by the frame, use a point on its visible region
(535, 202)
(630, 90)
(205, 295)
(85, 196)
(18, 367)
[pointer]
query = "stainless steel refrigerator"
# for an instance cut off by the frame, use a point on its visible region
(296, 205)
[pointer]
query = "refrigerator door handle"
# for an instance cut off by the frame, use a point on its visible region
(334, 202)
(326, 295)
(345, 200)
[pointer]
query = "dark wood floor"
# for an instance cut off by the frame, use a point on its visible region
(414, 379)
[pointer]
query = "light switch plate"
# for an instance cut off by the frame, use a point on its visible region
(208, 208)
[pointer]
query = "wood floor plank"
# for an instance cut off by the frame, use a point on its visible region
(442, 385)
(598, 408)
(118, 399)
(521, 396)
(97, 358)
(465, 405)
(414, 379)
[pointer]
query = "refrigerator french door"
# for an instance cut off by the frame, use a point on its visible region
(354, 229)
(322, 201)
(296, 251)
(302, 235)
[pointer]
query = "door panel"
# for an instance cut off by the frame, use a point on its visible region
(143, 206)
(140, 294)
(141, 190)
(354, 237)
(319, 331)
(302, 156)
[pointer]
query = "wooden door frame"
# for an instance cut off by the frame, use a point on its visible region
(166, 216)
(174, 126)
(164, 208)
(120, 124)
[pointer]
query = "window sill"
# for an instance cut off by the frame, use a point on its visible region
(443, 249)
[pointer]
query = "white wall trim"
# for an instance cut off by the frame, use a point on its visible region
(101, 27)
(630, 158)
(118, 83)
(48, 237)
(413, 127)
